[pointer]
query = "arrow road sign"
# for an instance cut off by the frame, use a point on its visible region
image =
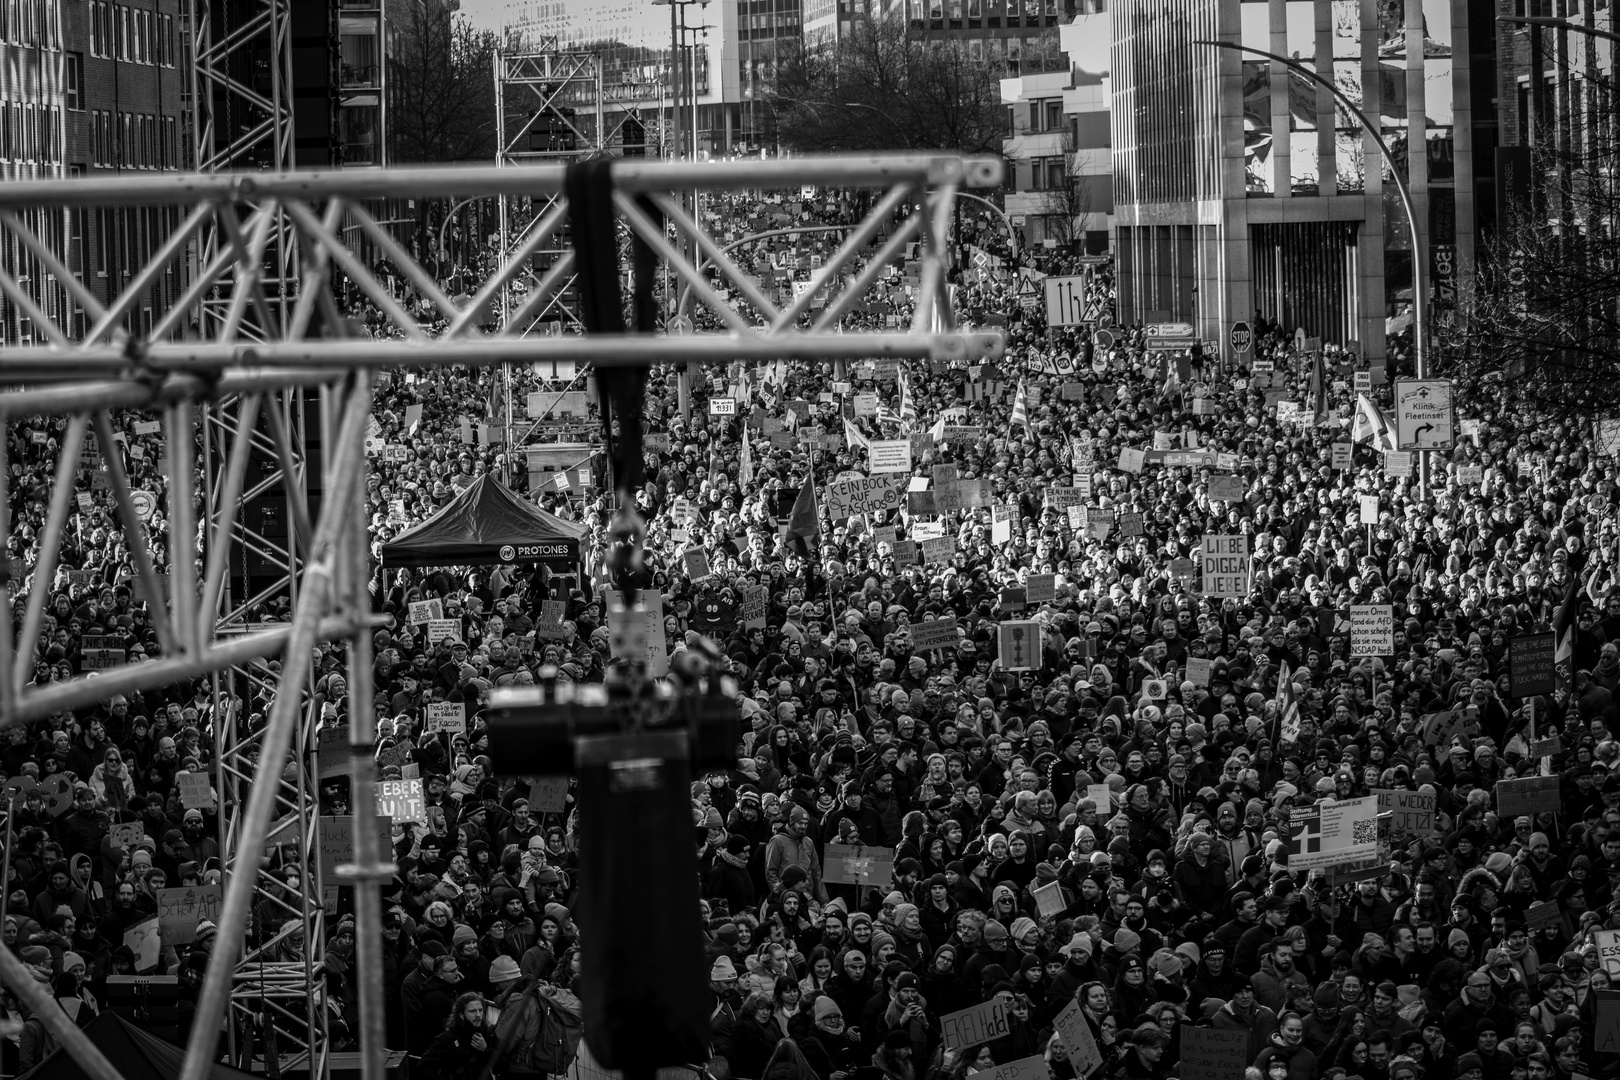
(1424, 419)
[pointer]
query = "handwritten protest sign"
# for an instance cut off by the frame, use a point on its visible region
(425, 611)
(402, 800)
(449, 716)
(1072, 1028)
(195, 794)
(145, 940)
(180, 910)
(334, 842)
(1025, 1068)
(934, 634)
(977, 1024)
(548, 795)
(1213, 1053)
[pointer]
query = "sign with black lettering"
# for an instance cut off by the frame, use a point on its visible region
(1226, 566)
(1213, 1053)
(1410, 812)
(1527, 795)
(934, 634)
(1530, 665)
(981, 1023)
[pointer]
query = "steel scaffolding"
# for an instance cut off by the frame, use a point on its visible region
(317, 350)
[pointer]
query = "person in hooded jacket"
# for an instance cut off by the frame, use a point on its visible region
(1286, 1057)
(1244, 1013)
(827, 1041)
(945, 990)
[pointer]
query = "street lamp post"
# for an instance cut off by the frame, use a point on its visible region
(1420, 269)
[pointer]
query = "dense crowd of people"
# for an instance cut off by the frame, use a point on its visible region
(1208, 722)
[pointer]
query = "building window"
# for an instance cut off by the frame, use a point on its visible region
(1054, 115)
(73, 81)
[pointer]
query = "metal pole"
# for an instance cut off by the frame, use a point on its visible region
(33, 994)
(1558, 24)
(1012, 233)
(285, 714)
(1420, 270)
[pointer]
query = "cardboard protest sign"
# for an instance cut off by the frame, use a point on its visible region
(1040, 588)
(145, 940)
(1049, 899)
(548, 795)
(126, 834)
(425, 611)
(334, 842)
(180, 910)
(1213, 1053)
(1026, 1068)
(195, 794)
(981, 1023)
(1019, 644)
(1410, 812)
(755, 604)
(1084, 1054)
(448, 716)
(1372, 630)
(1199, 670)
(697, 563)
(549, 626)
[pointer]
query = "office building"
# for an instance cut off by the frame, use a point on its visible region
(1243, 187)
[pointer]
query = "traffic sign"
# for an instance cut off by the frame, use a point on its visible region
(679, 326)
(1065, 300)
(1103, 338)
(1424, 419)
(1242, 338)
(1168, 336)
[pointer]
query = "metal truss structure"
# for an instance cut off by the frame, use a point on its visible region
(551, 104)
(241, 384)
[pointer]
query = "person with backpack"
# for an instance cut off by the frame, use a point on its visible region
(463, 1049)
(537, 1031)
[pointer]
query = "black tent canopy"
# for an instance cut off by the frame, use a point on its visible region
(138, 1054)
(488, 525)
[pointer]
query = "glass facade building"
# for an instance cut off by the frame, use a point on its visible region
(1243, 187)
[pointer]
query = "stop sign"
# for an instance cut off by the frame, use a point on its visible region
(1241, 337)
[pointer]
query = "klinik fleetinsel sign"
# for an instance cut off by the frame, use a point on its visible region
(1225, 561)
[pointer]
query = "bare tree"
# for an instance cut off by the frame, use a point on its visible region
(1536, 339)
(446, 102)
(883, 88)
(1068, 207)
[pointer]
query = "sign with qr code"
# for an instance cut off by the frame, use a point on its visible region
(1333, 833)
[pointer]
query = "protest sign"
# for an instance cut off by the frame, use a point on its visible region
(1199, 670)
(981, 1023)
(1527, 795)
(697, 564)
(1343, 457)
(549, 626)
(448, 716)
(195, 794)
(1227, 488)
(334, 842)
(1542, 914)
(440, 629)
(1372, 630)
(1084, 1054)
(1209, 1053)
(1100, 796)
(1410, 812)
(851, 495)
(889, 455)
(1033, 1067)
(145, 940)
(126, 834)
(1333, 833)
(425, 611)
(853, 864)
(1049, 899)
(1531, 670)
(180, 910)
(934, 634)
(332, 752)
(1019, 644)
(941, 549)
(402, 800)
(1226, 566)
(1606, 1021)
(755, 603)
(1039, 588)
(905, 553)
(548, 795)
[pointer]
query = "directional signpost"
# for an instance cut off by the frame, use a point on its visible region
(1166, 337)
(1065, 301)
(1424, 419)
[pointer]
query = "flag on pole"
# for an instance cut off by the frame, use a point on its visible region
(1287, 707)
(1563, 625)
(886, 415)
(1318, 389)
(1020, 409)
(908, 408)
(745, 466)
(853, 436)
(1372, 426)
(938, 430)
(804, 521)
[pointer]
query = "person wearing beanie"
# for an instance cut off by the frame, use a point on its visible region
(944, 990)
(911, 944)
(937, 911)
(794, 847)
(1244, 1013)
(728, 877)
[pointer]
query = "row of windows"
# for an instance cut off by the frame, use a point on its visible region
(30, 132)
(134, 140)
(35, 23)
(132, 35)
